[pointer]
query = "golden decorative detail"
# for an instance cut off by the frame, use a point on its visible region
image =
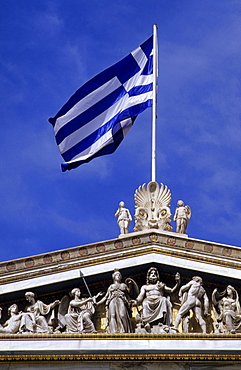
(47, 259)
(208, 248)
(189, 245)
(171, 241)
(11, 266)
(65, 255)
(130, 336)
(153, 237)
(226, 252)
(83, 251)
(136, 240)
(138, 357)
(100, 248)
(118, 244)
(29, 262)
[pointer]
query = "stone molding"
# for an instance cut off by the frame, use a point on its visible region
(133, 244)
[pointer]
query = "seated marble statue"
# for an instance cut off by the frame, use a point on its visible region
(80, 313)
(227, 311)
(11, 326)
(156, 306)
(33, 319)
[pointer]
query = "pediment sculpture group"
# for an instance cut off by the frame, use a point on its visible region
(74, 314)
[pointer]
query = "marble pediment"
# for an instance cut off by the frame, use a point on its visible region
(52, 276)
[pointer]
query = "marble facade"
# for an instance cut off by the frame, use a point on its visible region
(54, 275)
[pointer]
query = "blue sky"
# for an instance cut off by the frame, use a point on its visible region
(49, 48)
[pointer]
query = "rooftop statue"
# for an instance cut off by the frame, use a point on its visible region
(117, 304)
(152, 207)
(181, 217)
(193, 296)
(227, 311)
(124, 218)
(33, 319)
(156, 306)
(80, 311)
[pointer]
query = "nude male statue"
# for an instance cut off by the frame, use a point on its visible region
(156, 307)
(124, 218)
(192, 295)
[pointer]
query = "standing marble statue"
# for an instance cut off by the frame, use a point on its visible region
(227, 311)
(117, 306)
(80, 313)
(156, 306)
(193, 296)
(124, 218)
(181, 217)
(33, 319)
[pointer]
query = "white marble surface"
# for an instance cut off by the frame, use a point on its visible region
(122, 263)
(117, 366)
(102, 345)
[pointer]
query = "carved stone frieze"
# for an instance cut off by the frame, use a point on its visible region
(152, 203)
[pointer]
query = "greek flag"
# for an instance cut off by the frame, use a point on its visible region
(97, 117)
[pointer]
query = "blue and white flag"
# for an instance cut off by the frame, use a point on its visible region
(97, 117)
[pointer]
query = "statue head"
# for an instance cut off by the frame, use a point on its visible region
(121, 204)
(152, 276)
(180, 203)
(198, 279)
(231, 291)
(116, 276)
(74, 292)
(30, 296)
(13, 308)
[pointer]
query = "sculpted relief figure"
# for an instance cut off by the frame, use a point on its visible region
(124, 218)
(117, 304)
(80, 313)
(193, 296)
(181, 217)
(227, 311)
(33, 319)
(156, 306)
(152, 207)
(11, 326)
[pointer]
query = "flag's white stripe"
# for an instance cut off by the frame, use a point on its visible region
(102, 142)
(98, 145)
(104, 117)
(85, 103)
(140, 57)
(80, 134)
(138, 80)
(98, 94)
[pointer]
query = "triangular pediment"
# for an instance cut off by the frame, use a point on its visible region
(52, 276)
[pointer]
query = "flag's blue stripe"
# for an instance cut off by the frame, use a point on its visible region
(147, 46)
(148, 69)
(142, 89)
(83, 91)
(108, 149)
(92, 138)
(126, 68)
(91, 113)
(127, 64)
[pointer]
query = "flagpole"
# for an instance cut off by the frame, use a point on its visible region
(154, 115)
